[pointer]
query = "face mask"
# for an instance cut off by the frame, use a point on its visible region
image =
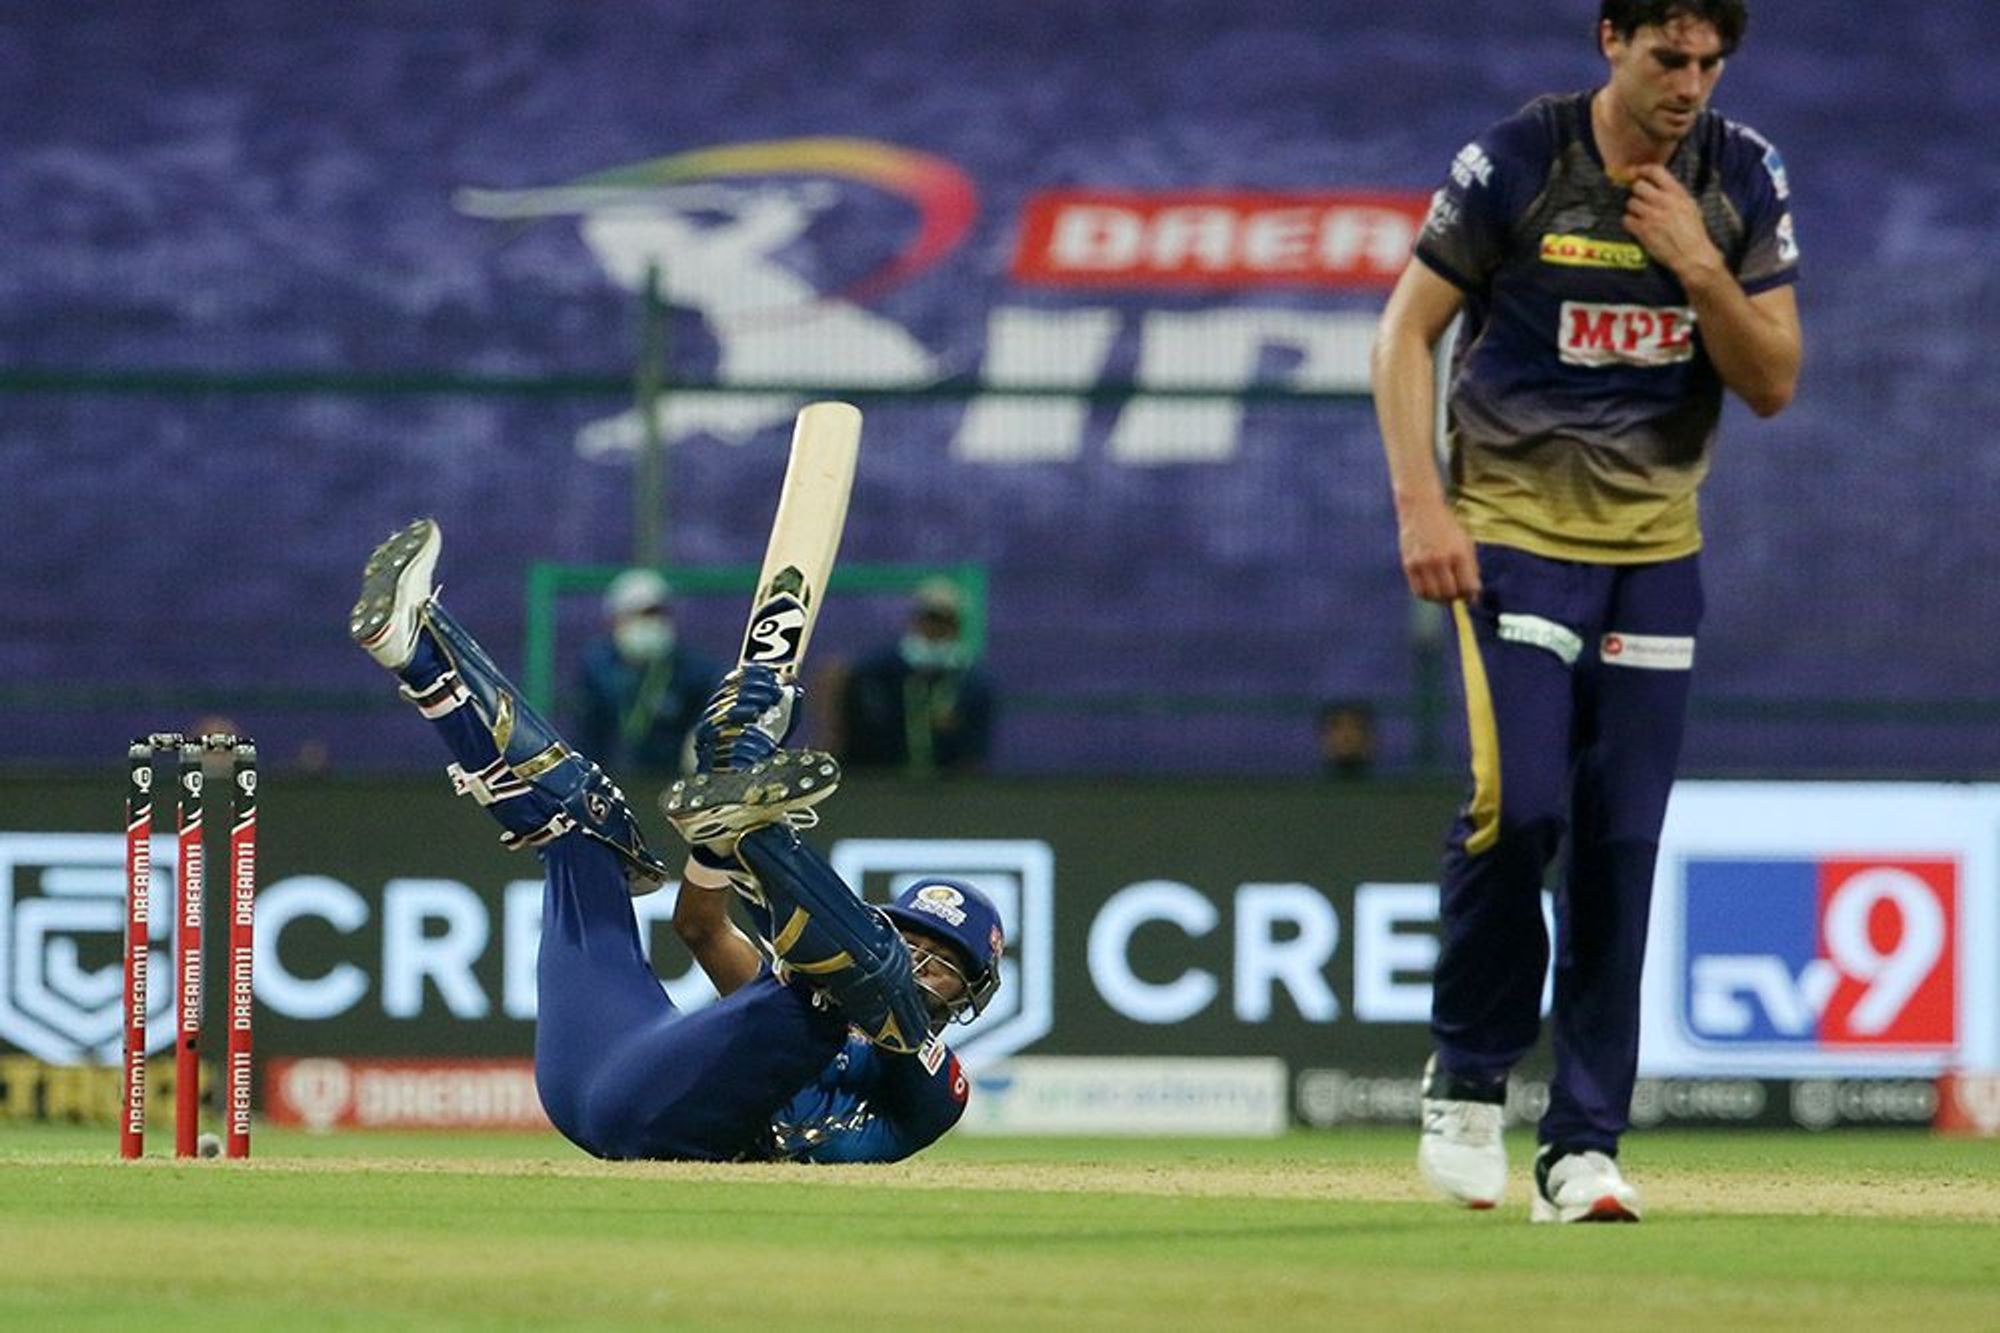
(924, 654)
(643, 638)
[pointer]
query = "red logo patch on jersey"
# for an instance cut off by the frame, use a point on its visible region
(1592, 334)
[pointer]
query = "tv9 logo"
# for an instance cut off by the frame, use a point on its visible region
(62, 922)
(1827, 953)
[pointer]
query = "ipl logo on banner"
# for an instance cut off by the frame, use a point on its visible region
(1824, 953)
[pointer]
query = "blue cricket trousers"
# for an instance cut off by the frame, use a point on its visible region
(622, 1072)
(1576, 683)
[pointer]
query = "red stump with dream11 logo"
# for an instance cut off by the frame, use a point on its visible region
(138, 928)
(190, 911)
(242, 926)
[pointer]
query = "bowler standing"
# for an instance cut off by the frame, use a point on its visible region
(1620, 258)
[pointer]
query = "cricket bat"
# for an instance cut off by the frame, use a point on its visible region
(805, 535)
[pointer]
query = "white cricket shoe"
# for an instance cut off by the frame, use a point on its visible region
(1581, 1187)
(394, 587)
(715, 809)
(1459, 1152)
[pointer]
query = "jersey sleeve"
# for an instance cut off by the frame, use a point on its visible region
(912, 1100)
(1490, 183)
(1755, 179)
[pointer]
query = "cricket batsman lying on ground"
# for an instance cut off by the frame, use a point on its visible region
(824, 1046)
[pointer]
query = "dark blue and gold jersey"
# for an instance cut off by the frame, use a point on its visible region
(1582, 406)
(868, 1105)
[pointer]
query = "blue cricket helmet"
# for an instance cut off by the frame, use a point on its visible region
(953, 911)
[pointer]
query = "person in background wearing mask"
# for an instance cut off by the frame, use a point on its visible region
(642, 688)
(919, 706)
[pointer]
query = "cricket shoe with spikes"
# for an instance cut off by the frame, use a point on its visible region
(395, 584)
(1581, 1186)
(713, 810)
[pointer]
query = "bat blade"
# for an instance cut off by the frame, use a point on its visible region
(805, 537)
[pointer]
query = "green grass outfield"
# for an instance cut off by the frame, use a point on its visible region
(1874, 1230)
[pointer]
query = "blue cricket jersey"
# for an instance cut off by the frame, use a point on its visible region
(870, 1105)
(867, 1104)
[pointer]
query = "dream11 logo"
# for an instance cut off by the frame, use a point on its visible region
(62, 921)
(1834, 953)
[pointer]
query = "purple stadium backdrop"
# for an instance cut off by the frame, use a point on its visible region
(400, 244)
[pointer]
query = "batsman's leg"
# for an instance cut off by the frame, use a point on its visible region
(810, 917)
(827, 935)
(621, 1072)
(595, 991)
(508, 757)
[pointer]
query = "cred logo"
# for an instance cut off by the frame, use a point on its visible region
(62, 919)
(1829, 953)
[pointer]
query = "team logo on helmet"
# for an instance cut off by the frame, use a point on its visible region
(941, 900)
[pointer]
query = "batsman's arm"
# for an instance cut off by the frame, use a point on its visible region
(1437, 556)
(701, 918)
(912, 1101)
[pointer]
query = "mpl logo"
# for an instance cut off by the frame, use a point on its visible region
(62, 921)
(1827, 953)
(1018, 874)
(1591, 333)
